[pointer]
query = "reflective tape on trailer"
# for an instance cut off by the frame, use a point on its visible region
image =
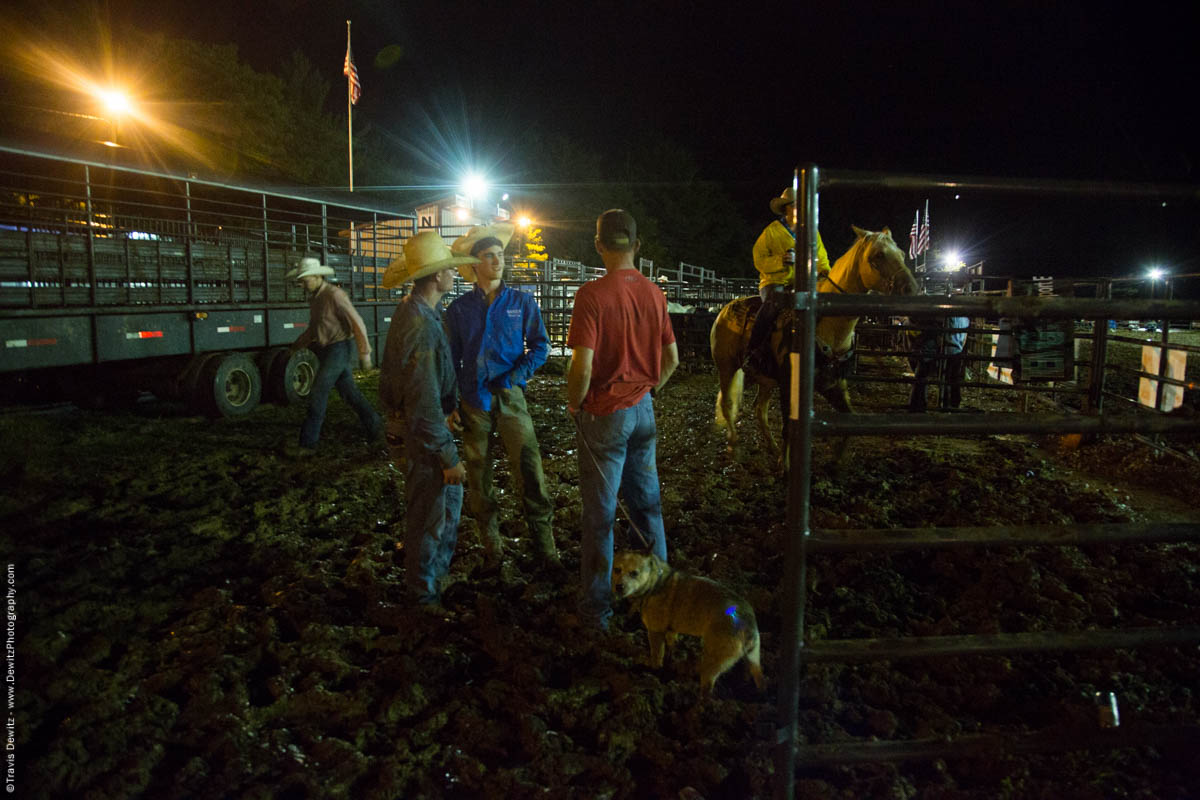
(143, 334)
(290, 325)
(30, 342)
(231, 329)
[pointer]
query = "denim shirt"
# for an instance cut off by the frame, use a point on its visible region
(926, 342)
(498, 346)
(417, 378)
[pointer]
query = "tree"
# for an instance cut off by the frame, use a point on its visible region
(533, 246)
(680, 215)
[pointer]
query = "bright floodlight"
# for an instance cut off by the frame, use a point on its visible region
(1155, 273)
(474, 186)
(115, 101)
(950, 260)
(524, 222)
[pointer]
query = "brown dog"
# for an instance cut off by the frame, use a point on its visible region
(673, 602)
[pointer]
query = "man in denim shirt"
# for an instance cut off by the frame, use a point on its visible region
(497, 342)
(419, 392)
(334, 329)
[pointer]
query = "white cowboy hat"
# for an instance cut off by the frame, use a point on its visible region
(424, 254)
(463, 245)
(309, 266)
(788, 197)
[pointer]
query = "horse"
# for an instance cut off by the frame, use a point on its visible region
(873, 263)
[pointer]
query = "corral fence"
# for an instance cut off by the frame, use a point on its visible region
(1052, 359)
(804, 426)
(694, 296)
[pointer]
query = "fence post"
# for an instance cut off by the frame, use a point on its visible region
(799, 452)
(91, 233)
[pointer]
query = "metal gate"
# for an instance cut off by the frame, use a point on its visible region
(803, 427)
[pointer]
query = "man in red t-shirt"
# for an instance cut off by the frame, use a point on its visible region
(622, 351)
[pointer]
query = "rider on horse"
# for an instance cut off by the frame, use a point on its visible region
(775, 260)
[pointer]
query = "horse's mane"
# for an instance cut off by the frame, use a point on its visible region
(867, 243)
(847, 259)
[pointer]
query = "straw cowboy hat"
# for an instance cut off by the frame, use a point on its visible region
(424, 254)
(463, 245)
(309, 266)
(788, 197)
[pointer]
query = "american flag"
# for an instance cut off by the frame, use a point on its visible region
(923, 239)
(351, 72)
(913, 252)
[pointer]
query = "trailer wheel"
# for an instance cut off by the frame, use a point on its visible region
(269, 361)
(228, 386)
(292, 377)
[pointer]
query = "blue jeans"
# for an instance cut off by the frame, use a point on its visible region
(616, 453)
(334, 370)
(431, 520)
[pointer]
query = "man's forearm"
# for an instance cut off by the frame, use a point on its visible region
(667, 364)
(577, 388)
(578, 382)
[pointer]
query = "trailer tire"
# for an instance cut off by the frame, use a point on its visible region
(291, 378)
(229, 385)
(268, 364)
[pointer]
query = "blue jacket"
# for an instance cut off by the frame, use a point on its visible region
(495, 347)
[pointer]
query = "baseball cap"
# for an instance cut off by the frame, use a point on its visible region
(616, 229)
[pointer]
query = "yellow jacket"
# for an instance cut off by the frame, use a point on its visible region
(768, 255)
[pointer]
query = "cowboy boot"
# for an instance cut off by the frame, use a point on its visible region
(493, 548)
(544, 547)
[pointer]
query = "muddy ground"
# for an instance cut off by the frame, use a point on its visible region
(199, 616)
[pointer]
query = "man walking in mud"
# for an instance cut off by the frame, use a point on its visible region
(497, 343)
(334, 329)
(622, 351)
(419, 393)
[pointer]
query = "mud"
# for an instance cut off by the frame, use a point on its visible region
(200, 616)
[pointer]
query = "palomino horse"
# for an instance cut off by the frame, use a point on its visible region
(873, 263)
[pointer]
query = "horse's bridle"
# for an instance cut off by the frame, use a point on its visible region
(891, 279)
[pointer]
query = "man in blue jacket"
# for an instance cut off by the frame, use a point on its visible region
(497, 342)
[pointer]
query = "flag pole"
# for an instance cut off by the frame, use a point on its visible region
(349, 112)
(925, 234)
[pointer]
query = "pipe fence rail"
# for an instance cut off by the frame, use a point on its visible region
(804, 426)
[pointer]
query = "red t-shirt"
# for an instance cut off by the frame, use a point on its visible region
(622, 317)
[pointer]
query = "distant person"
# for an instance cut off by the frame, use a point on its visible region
(775, 259)
(943, 341)
(622, 351)
(497, 343)
(420, 395)
(334, 329)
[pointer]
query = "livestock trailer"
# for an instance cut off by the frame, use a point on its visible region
(115, 281)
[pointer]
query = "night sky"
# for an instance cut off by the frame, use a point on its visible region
(1090, 91)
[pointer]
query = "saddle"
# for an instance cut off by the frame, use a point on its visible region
(761, 318)
(761, 360)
